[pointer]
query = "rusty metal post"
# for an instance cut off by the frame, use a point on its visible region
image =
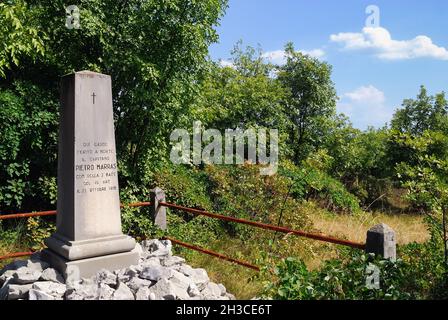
(158, 212)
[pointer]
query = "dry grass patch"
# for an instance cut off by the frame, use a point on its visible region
(409, 228)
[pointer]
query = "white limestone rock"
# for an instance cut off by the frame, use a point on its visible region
(26, 275)
(211, 291)
(39, 295)
(180, 279)
(57, 290)
(123, 293)
(193, 290)
(7, 276)
(14, 291)
(156, 248)
(104, 292)
(158, 276)
(143, 293)
(186, 270)
(200, 277)
(222, 288)
(155, 273)
(136, 283)
(82, 292)
(163, 290)
(171, 261)
(38, 265)
(106, 277)
(51, 274)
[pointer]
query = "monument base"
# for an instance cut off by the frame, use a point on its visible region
(76, 269)
(83, 249)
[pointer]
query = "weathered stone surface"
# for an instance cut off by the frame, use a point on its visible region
(127, 274)
(123, 293)
(180, 292)
(180, 279)
(39, 295)
(82, 292)
(156, 248)
(142, 294)
(193, 290)
(171, 261)
(14, 266)
(54, 289)
(37, 265)
(138, 248)
(186, 270)
(51, 274)
(105, 292)
(151, 261)
(200, 277)
(88, 233)
(158, 212)
(381, 241)
(14, 291)
(163, 277)
(222, 288)
(26, 275)
(155, 272)
(6, 276)
(106, 277)
(136, 283)
(211, 291)
(163, 290)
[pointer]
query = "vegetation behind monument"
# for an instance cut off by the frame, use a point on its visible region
(156, 53)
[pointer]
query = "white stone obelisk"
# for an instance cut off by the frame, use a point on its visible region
(88, 235)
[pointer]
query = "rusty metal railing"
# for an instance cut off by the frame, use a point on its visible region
(315, 236)
(266, 226)
(212, 253)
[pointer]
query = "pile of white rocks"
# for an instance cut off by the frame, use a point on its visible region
(158, 276)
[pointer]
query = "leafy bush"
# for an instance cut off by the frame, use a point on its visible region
(309, 182)
(37, 230)
(240, 191)
(419, 274)
(337, 280)
(184, 186)
(28, 141)
(187, 187)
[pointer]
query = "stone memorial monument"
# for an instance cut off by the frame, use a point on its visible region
(88, 233)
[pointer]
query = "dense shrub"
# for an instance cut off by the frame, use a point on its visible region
(28, 139)
(310, 182)
(420, 273)
(240, 191)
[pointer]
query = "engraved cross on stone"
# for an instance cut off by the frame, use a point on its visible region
(93, 96)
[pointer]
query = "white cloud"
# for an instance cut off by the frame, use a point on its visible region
(366, 94)
(279, 56)
(380, 41)
(276, 57)
(315, 53)
(365, 106)
(226, 63)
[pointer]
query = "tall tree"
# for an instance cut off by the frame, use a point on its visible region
(312, 99)
(421, 114)
(154, 50)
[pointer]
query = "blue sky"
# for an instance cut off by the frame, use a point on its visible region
(375, 66)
